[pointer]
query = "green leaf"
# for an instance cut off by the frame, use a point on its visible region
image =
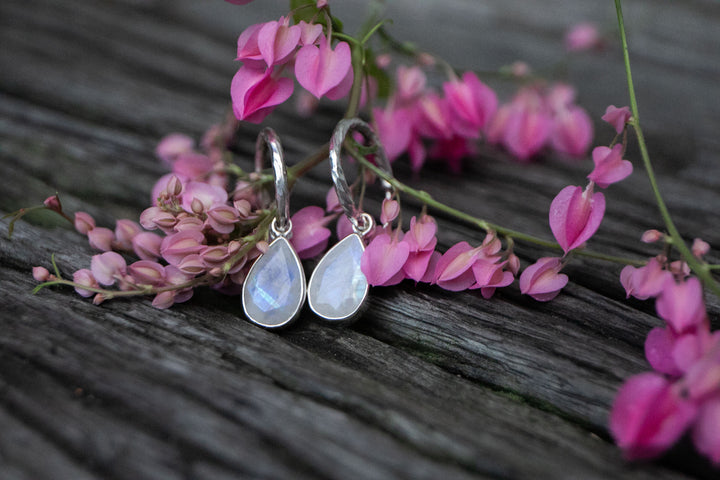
(307, 12)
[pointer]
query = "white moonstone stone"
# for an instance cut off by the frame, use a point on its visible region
(338, 287)
(274, 290)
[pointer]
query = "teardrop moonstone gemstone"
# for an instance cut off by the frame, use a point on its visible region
(338, 287)
(274, 290)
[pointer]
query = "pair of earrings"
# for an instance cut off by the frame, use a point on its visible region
(275, 289)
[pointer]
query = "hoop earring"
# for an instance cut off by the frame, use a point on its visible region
(338, 288)
(274, 290)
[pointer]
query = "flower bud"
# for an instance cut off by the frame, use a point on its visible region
(125, 231)
(41, 274)
(101, 238)
(146, 245)
(164, 300)
(174, 187)
(84, 277)
(192, 265)
(543, 280)
(178, 245)
(53, 203)
(700, 248)
(652, 236)
(222, 218)
(389, 212)
(106, 267)
(84, 222)
(147, 272)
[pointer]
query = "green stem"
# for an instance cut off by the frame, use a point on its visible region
(699, 268)
(358, 61)
(426, 199)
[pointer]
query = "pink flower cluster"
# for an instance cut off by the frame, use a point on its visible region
(538, 117)
(271, 49)
(653, 410)
(394, 255)
(451, 121)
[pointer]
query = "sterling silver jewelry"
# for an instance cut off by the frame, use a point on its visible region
(274, 290)
(337, 287)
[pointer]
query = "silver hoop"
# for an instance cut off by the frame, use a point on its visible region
(362, 222)
(268, 141)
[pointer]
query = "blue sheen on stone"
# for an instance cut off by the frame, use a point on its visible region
(338, 287)
(274, 290)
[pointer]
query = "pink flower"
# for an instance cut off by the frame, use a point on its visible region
(323, 71)
(310, 234)
(617, 117)
(489, 276)
(248, 50)
(107, 267)
(84, 278)
(454, 269)
(651, 236)
(572, 131)
(309, 32)
(145, 272)
(191, 165)
(706, 432)
(421, 241)
(609, 166)
(648, 416)
(146, 245)
(527, 125)
(208, 196)
(394, 127)
(674, 354)
(681, 304)
(125, 231)
(575, 215)
(173, 145)
(644, 282)
(255, 93)
(542, 280)
(101, 238)
(222, 218)
(700, 248)
(177, 246)
(433, 117)
(166, 299)
(472, 104)
(383, 259)
(582, 36)
(41, 274)
(277, 41)
(84, 222)
(53, 203)
(410, 84)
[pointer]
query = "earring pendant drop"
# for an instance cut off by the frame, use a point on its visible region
(338, 287)
(274, 291)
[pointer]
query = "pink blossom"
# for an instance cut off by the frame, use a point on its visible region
(421, 241)
(582, 36)
(125, 231)
(191, 165)
(84, 222)
(542, 280)
(343, 228)
(652, 236)
(209, 196)
(681, 304)
(101, 238)
(433, 117)
(609, 166)
(560, 97)
(177, 246)
(309, 32)
(410, 84)
(700, 248)
(706, 432)
(575, 215)
(617, 117)
(528, 125)
(222, 218)
(454, 269)
(310, 234)
(192, 265)
(248, 50)
(644, 282)
(321, 3)
(383, 259)
(84, 278)
(255, 93)
(146, 245)
(53, 203)
(145, 272)
(320, 69)
(173, 145)
(215, 255)
(41, 274)
(572, 131)
(159, 194)
(166, 299)
(472, 102)
(107, 267)
(389, 211)
(154, 217)
(659, 346)
(394, 127)
(277, 41)
(489, 276)
(648, 416)
(453, 150)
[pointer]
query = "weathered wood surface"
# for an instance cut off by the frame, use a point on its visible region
(429, 384)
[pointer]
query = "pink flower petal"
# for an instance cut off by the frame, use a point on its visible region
(320, 68)
(383, 260)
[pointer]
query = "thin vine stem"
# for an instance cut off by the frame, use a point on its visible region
(700, 269)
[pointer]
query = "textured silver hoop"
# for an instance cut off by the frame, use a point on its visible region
(268, 142)
(362, 222)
